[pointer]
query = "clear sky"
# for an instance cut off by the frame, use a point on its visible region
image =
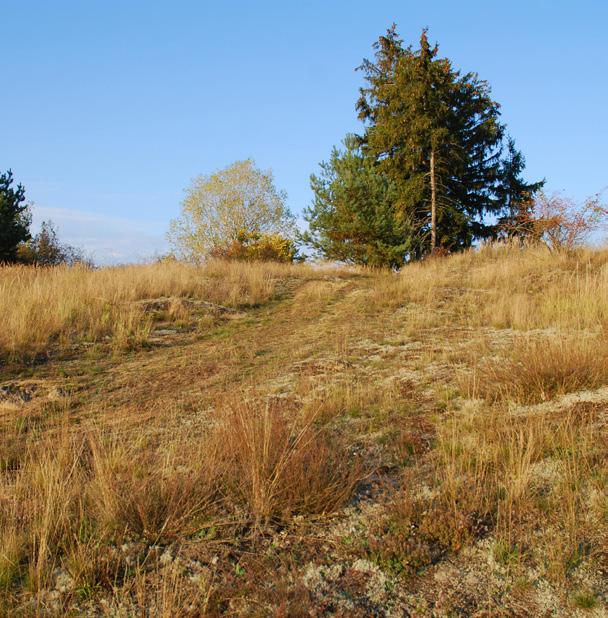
(109, 108)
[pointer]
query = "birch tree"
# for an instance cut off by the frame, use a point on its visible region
(218, 207)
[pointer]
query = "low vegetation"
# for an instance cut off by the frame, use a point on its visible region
(249, 438)
(63, 305)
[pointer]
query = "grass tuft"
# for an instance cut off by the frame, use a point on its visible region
(537, 370)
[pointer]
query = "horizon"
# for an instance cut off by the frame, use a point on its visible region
(105, 140)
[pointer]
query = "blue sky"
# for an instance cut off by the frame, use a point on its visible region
(109, 108)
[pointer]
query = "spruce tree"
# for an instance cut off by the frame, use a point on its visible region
(436, 134)
(14, 218)
(516, 195)
(427, 173)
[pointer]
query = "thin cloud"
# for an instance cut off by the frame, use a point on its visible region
(108, 240)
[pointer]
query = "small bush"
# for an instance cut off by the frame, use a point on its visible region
(252, 246)
(563, 224)
(585, 600)
(45, 249)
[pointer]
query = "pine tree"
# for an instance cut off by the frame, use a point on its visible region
(14, 218)
(434, 136)
(352, 217)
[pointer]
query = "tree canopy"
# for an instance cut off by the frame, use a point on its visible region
(353, 218)
(221, 206)
(516, 195)
(429, 166)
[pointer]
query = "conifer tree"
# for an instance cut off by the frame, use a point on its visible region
(14, 218)
(516, 195)
(353, 218)
(434, 136)
(436, 133)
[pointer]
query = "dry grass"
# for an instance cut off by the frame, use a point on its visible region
(504, 286)
(45, 305)
(76, 496)
(156, 495)
(532, 482)
(533, 474)
(536, 370)
(280, 463)
(207, 477)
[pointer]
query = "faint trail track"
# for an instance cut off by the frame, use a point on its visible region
(153, 384)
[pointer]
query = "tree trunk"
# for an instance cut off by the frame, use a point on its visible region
(433, 204)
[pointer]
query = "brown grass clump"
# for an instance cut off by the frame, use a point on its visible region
(156, 495)
(537, 370)
(73, 495)
(38, 510)
(76, 497)
(279, 464)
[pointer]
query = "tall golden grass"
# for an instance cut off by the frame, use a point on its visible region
(74, 495)
(508, 325)
(506, 286)
(537, 370)
(42, 306)
(281, 463)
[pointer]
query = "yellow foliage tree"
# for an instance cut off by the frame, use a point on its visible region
(221, 206)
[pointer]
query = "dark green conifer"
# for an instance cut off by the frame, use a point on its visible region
(516, 195)
(353, 218)
(434, 136)
(14, 218)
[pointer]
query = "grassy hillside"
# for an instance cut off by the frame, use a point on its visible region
(263, 440)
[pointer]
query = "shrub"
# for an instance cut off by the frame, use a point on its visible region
(560, 222)
(217, 206)
(252, 246)
(45, 249)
